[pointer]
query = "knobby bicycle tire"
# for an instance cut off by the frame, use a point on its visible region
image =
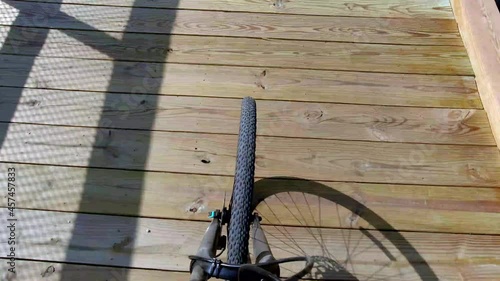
(241, 200)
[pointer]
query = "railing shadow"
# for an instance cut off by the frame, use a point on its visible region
(10, 46)
(104, 139)
(328, 269)
(27, 37)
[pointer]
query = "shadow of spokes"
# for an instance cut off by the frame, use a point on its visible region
(326, 268)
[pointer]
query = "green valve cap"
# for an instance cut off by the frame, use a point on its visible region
(212, 214)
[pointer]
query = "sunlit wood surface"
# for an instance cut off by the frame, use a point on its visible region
(121, 118)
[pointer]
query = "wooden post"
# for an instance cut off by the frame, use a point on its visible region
(479, 24)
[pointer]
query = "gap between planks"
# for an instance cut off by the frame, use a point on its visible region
(379, 31)
(450, 209)
(37, 271)
(221, 116)
(438, 60)
(339, 29)
(237, 82)
(411, 31)
(308, 158)
(165, 244)
(359, 8)
(479, 23)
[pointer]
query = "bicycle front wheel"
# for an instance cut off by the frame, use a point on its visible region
(241, 200)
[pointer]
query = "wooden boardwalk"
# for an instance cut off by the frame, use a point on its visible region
(120, 118)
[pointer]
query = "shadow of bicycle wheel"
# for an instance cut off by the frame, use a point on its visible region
(327, 268)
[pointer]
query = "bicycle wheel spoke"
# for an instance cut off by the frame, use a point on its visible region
(324, 249)
(376, 243)
(274, 246)
(361, 235)
(295, 234)
(308, 229)
(279, 239)
(290, 237)
(297, 227)
(348, 246)
(306, 225)
(371, 276)
(348, 258)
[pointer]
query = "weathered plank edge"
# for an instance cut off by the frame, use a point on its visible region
(464, 212)
(479, 25)
(55, 270)
(439, 10)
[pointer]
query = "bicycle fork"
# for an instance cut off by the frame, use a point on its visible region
(207, 250)
(205, 264)
(261, 250)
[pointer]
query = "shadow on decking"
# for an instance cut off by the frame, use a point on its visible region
(17, 40)
(330, 267)
(104, 137)
(28, 45)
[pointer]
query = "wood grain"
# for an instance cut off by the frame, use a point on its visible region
(81, 57)
(40, 271)
(341, 29)
(238, 82)
(56, 271)
(479, 23)
(275, 118)
(360, 8)
(451, 60)
(132, 193)
(165, 244)
(215, 154)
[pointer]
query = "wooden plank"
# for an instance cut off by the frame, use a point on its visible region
(479, 23)
(132, 193)
(360, 8)
(55, 271)
(215, 154)
(237, 82)
(451, 60)
(165, 244)
(275, 118)
(341, 29)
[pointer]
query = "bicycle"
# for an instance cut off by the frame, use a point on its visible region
(239, 220)
(379, 252)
